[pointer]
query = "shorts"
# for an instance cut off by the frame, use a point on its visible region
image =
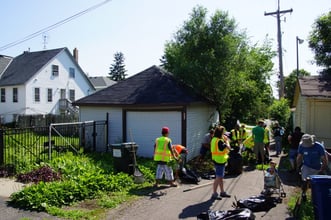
(293, 153)
(307, 171)
(219, 170)
(166, 170)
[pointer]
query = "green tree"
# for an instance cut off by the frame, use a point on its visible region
(280, 111)
(320, 42)
(117, 69)
(290, 82)
(215, 59)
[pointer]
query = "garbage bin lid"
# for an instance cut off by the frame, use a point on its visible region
(320, 178)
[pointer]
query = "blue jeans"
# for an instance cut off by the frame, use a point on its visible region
(278, 144)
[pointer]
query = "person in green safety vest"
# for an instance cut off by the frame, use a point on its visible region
(163, 155)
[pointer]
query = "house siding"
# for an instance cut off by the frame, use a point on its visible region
(9, 109)
(44, 80)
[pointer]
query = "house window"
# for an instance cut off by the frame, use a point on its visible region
(49, 95)
(55, 70)
(63, 93)
(15, 95)
(72, 95)
(3, 95)
(71, 72)
(37, 94)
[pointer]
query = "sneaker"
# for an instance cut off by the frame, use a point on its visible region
(224, 194)
(216, 196)
(173, 184)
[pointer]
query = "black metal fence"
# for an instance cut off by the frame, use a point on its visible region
(22, 146)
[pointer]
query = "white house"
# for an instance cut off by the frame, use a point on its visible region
(42, 82)
(312, 102)
(141, 105)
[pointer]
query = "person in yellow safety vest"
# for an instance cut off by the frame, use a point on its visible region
(220, 149)
(163, 155)
(235, 138)
(249, 142)
(242, 133)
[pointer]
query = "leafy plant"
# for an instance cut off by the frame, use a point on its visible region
(44, 173)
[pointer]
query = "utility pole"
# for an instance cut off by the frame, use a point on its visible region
(280, 52)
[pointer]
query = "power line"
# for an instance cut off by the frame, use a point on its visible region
(51, 27)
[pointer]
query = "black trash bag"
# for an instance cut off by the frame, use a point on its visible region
(235, 163)
(242, 213)
(257, 203)
(187, 175)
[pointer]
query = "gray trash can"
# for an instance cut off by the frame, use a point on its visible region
(321, 196)
(123, 155)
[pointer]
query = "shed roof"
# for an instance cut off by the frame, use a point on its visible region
(315, 86)
(153, 86)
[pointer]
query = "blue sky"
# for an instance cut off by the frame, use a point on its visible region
(139, 29)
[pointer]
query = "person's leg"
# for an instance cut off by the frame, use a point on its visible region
(262, 153)
(292, 159)
(256, 151)
(305, 173)
(278, 143)
(216, 183)
(159, 174)
(221, 182)
(169, 175)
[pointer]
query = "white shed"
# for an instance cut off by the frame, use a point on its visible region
(312, 102)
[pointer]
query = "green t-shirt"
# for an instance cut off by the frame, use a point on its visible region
(258, 134)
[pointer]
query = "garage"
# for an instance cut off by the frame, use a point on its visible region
(143, 127)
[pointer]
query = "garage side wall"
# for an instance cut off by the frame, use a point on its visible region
(199, 119)
(100, 113)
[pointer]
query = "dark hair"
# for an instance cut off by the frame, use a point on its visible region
(297, 129)
(219, 131)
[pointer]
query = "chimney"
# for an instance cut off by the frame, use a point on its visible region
(75, 52)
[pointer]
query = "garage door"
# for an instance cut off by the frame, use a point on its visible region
(144, 127)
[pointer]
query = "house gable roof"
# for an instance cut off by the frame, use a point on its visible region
(100, 82)
(4, 62)
(315, 86)
(26, 65)
(153, 86)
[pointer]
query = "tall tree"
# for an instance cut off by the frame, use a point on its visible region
(216, 60)
(117, 69)
(290, 82)
(320, 42)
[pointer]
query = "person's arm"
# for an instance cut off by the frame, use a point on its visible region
(173, 151)
(299, 160)
(324, 163)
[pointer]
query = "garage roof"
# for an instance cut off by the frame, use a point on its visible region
(315, 86)
(153, 86)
